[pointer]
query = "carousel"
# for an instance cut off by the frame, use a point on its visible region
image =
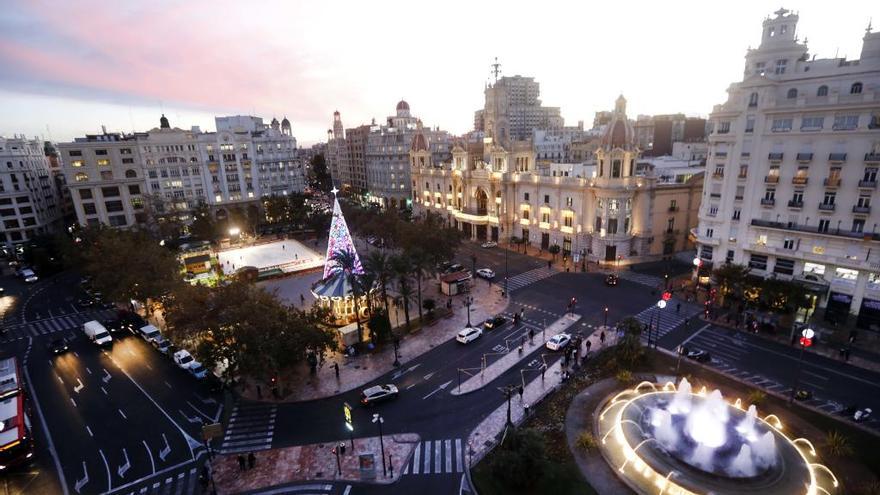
(334, 291)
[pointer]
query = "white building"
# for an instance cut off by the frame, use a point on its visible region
(116, 179)
(29, 201)
(512, 110)
(791, 176)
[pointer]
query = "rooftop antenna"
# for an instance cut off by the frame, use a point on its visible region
(868, 29)
(496, 69)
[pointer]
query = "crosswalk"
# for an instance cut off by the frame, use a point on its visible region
(53, 325)
(178, 482)
(641, 278)
(251, 428)
(528, 278)
(437, 457)
(665, 320)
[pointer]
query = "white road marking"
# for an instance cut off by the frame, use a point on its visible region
(104, 390)
(441, 387)
(149, 453)
(90, 431)
(106, 465)
(79, 385)
(88, 370)
(165, 450)
(82, 482)
(347, 490)
(122, 414)
(73, 402)
(125, 467)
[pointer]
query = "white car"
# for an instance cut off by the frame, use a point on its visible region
(558, 341)
(184, 360)
(486, 273)
(468, 334)
(489, 244)
(198, 370)
(29, 276)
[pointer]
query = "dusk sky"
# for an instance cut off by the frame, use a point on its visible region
(69, 67)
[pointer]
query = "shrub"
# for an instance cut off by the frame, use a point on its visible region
(756, 397)
(586, 441)
(838, 444)
(520, 459)
(624, 376)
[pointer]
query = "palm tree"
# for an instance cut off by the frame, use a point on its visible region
(402, 268)
(420, 265)
(379, 264)
(347, 261)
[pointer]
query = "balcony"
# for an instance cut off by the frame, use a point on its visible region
(832, 182)
(872, 158)
(804, 157)
(795, 204)
(768, 201)
(826, 206)
(868, 184)
(800, 181)
(861, 210)
(815, 230)
(771, 179)
(718, 175)
(721, 154)
(673, 209)
(837, 157)
(775, 157)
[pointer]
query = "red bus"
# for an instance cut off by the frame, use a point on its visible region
(16, 441)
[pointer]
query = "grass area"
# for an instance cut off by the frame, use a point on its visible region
(561, 477)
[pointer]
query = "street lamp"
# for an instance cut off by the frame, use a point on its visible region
(234, 231)
(378, 419)
(508, 391)
(807, 335)
(468, 300)
(606, 317)
(661, 304)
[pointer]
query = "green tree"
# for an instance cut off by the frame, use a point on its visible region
(554, 250)
(378, 263)
(421, 266)
(204, 225)
(520, 460)
(277, 209)
(402, 270)
(629, 347)
(731, 279)
(380, 326)
(319, 177)
(783, 296)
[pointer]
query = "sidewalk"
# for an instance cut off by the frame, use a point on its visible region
(513, 357)
(486, 435)
(314, 462)
(356, 371)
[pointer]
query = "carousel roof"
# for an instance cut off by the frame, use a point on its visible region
(335, 286)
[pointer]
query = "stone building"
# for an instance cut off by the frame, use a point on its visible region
(30, 204)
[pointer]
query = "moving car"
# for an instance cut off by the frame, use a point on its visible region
(489, 244)
(2, 290)
(28, 275)
(114, 326)
(699, 356)
(132, 322)
(494, 322)
(97, 333)
(486, 273)
(183, 359)
(611, 280)
(378, 393)
(85, 302)
(558, 341)
(468, 334)
(57, 346)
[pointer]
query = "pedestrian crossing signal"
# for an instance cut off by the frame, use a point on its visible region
(667, 295)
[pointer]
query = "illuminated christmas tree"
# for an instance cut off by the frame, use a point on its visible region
(339, 241)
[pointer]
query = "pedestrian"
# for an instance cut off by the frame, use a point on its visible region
(241, 462)
(296, 256)
(678, 307)
(531, 334)
(302, 299)
(252, 460)
(549, 264)
(259, 392)
(283, 247)
(520, 391)
(336, 370)
(589, 344)
(602, 338)
(522, 313)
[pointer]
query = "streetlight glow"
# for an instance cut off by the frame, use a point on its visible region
(234, 231)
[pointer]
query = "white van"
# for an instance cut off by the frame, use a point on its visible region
(149, 333)
(97, 333)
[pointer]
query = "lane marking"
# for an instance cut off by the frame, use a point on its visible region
(149, 453)
(125, 467)
(90, 431)
(71, 401)
(82, 482)
(107, 466)
(79, 385)
(122, 414)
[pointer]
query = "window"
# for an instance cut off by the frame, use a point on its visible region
(546, 198)
(729, 258)
(598, 224)
(713, 210)
(788, 244)
(770, 193)
(753, 100)
(526, 196)
(759, 70)
(76, 153)
(781, 125)
(758, 262)
(673, 204)
(670, 225)
(113, 206)
(743, 171)
(109, 192)
(706, 252)
(134, 189)
(823, 91)
(612, 226)
(85, 194)
(780, 66)
(846, 122)
(784, 266)
(89, 209)
(823, 225)
(81, 177)
(792, 94)
(525, 214)
(750, 123)
(870, 174)
(118, 221)
(858, 225)
(569, 201)
(106, 175)
(855, 89)
(736, 213)
(724, 127)
(124, 151)
(710, 232)
(545, 217)
(76, 163)
(615, 168)
(814, 268)
(812, 123)
(830, 196)
(567, 221)
(100, 152)
(864, 202)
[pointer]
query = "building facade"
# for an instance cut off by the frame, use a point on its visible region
(29, 201)
(791, 176)
(125, 180)
(513, 110)
(605, 211)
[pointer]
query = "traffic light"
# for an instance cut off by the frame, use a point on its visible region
(667, 296)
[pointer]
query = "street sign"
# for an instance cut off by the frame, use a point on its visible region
(212, 430)
(667, 296)
(346, 409)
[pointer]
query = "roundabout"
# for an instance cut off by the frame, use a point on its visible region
(672, 440)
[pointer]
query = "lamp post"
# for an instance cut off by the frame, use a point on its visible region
(606, 317)
(508, 391)
(506, 251)
(468, 300)
(660, 305)
(807, 335)
(378, 419)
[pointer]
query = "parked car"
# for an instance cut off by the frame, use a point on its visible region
(161, 344)
(378, 393)
(862, 415)
(468, 334)
(97, 333)
(183, 359)
(558, 341)
(149, 332)
(489, 244)
(85, 302)
(699, 356)
(486, 273)
(198, 370)
(494, 322)
(455, 267)
(28, 275)
(611, 280)
(114, 326)
(57, 346)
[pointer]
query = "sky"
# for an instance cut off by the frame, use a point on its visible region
(70, 67)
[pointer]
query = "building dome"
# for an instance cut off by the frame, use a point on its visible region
(402, 105)
(619, 132)
(419, 142)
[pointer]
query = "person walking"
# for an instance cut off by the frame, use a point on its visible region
(336, 370)
(302, 299)
(252, 460)
(678, 308)
(602, 338)
(241, 462)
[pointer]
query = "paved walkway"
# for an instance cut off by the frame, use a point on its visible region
(487, 434)
(356, 371)
(511, 359)
(314, 462)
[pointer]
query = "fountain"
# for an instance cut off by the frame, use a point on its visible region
(712, 446)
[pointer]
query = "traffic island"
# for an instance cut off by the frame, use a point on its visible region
(316, 462)
(483, 377)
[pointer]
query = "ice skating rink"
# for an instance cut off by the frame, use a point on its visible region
(287, 255)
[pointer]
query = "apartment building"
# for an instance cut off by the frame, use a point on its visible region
(29, 201)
